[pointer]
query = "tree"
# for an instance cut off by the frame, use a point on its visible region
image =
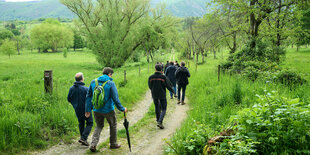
(78, 41)
(112, 27)
(4, 34)
(156, 30)
(51, 35)
(258, 11)
(8, 47)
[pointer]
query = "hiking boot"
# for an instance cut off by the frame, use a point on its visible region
(160, 125)
(116, 146)
(171, 97)
(183, 103)
(83, 142)
(92, 148)
(175, 96)
(178, 102)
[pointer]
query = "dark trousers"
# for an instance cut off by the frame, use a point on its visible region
(183, 92)
(84, 131)
(175, 90)
(160, 109)
(99, 118)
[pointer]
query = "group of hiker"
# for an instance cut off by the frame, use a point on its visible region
(102, 95)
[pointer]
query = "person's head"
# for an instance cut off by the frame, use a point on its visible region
(171, 63)
(182, 63)
(79, 77)
(176, 61)
(167, 62)
(158, 68)
(108, 71)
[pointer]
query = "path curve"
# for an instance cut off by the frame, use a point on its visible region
(138, 112)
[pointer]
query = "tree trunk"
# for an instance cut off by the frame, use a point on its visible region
(278, 43)
(194, 52)
(197, 55)
(233, 50)
(39, 50)
(297, 48)
(203, 57)
(214, 53)
(17, 46)
(147, 56)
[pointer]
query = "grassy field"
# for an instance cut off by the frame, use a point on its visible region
(212, 102)
(30, 119)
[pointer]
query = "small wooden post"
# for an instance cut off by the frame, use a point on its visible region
(48, 81)
(196, 66)
(139, 70)
(125, 80)
(219, 72)
(189, 65)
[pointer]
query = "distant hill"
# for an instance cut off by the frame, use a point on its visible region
(54, 9)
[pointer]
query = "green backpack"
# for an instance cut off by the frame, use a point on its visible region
(98, 95)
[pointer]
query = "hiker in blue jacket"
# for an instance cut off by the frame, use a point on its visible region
(107, 111)
(77, 97)
(170, 73)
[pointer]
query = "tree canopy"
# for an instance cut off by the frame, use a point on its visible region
(51, 34)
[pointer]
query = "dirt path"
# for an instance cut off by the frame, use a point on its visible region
(76, 149)
(153, 144)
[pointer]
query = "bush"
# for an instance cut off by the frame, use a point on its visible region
(275, 124)
(290, 77)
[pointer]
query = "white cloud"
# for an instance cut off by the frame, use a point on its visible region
(20, 0)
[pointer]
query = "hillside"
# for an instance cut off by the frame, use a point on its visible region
(54, 9)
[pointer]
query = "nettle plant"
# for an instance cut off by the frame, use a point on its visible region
(274, 125)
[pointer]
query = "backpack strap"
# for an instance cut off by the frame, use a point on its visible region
(96, 82)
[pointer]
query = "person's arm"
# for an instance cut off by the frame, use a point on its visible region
(89, 97)
(69, 97)
(169, 85)
(149, 83)
(188, 74)
(115, 98)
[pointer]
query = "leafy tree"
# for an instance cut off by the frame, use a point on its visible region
(112, 27)
(8, 47)
(4, 34)
(78, 41)
(51, 35)
(156, 31)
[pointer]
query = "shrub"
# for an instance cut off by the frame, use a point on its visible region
(290, 77)
(276, 125)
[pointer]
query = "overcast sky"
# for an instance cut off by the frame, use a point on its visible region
(20, 0)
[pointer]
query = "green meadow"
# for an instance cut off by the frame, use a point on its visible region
(31, 119)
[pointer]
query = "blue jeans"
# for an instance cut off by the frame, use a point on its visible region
(84, 131)
(175, 90)
(160, 109)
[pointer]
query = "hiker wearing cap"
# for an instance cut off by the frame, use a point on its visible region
(170, 73)
(105, 108)
(158, 83)
(77, 97)
(182, 75)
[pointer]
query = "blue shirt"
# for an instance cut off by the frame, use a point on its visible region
(110, 96)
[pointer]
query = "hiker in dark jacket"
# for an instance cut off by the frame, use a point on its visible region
(107, 111)
(77, 97)
(166, 66)
(170, 73)
(158, 83)
(182, 75)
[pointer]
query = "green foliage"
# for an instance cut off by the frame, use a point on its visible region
(290, 77)
(5, 34)
(278, 124)
(8, 47)
(78, 41)
(51, 35)
(112, 27)
(65, 53)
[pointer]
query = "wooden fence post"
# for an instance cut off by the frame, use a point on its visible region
(196, 66)
(48, 81)
(139, 70)
(219, 72)
(125, 80)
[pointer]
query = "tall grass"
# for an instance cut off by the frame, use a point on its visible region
(31, 119)
(212, 102)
